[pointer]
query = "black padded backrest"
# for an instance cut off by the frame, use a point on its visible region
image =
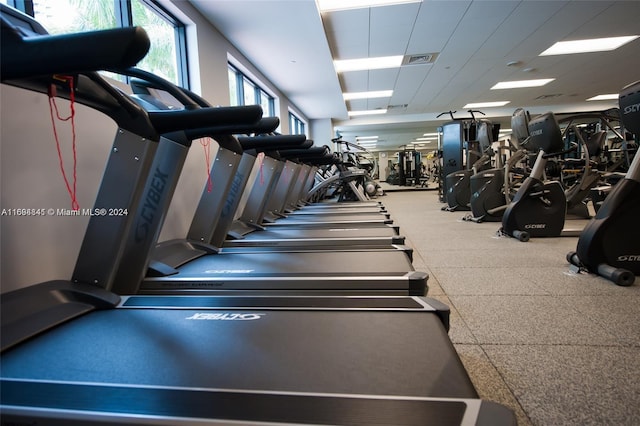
(630, 107)
(520, 126)
(545, 134)
(484, 133)
(595, 142)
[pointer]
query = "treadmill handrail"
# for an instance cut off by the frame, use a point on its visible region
(67, 53)
(272, 142)
(205, 120)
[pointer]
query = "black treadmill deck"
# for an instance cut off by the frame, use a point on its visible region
(305, 346)
(251, 360)
(348, 272)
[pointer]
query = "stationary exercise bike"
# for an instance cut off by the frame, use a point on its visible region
(539, 208)
(609, 245)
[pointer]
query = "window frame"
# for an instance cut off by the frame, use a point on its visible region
(297, 126)
(258, 90)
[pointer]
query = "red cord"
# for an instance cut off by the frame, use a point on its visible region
(53, 106)
(206, 145)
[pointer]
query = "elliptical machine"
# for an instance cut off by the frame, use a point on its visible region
(473, 138)
(491, 190)
(539, 208)
(608, 246)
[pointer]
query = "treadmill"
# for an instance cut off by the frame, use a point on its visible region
(345, 178)
(249, 229)
(252, 234)
(75, 353)
(193, 264)
(280, 203)
(231, 170)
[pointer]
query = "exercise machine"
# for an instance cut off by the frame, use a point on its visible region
(492, 189)
(460, 152)
(459, 192)
(608, 246)
(194, 264)
(539, 208)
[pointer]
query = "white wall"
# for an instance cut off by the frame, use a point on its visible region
(39, 248)
(322, 132)
(35, 249)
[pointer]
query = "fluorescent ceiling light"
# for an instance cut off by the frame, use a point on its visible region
(362, 138)
(367, 95)
(522, 83)
(589, 45)
(333, 5)
(367, 112)
(610, 97)
(431, 134)
(368, 63)
(427, 139)
(486, 104)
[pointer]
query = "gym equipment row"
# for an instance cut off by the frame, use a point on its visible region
(84, 351)
(608, 245)
(351, 178)
(572, 163)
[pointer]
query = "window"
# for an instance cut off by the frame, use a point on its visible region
(70, 16)
(166, 34)
(243, 91)
(167, 55)
(233, 87)
(266, 102)
(249, 92)
(296, 125)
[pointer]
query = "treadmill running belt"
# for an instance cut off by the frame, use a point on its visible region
(277, 351)
(239, 406)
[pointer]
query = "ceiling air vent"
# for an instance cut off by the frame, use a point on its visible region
(554, 95)
(397, 107)
(420, 59)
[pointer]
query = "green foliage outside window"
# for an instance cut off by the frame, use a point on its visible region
(66, 16)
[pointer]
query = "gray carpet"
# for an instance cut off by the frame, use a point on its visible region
(556, 347)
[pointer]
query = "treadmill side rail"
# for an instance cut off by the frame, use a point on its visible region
(29, 311)
(418, 283)
(75, 404)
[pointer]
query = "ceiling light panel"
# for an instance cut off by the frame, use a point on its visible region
(367, 95)
(362, 64)
(517, 84)
(367, 112)
(334, 5)
(588, 45)
(608, 97)
(486, 104)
